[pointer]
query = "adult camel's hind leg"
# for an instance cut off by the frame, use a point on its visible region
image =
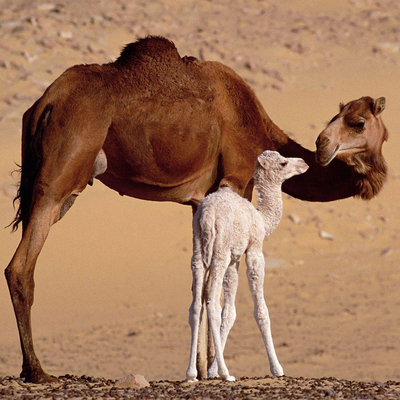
(56, 181)
(19, 275)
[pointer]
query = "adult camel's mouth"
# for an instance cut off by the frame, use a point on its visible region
(323, 158)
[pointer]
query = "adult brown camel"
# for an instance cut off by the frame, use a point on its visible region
(156, 126)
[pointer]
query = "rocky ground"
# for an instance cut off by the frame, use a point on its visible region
(85, 387)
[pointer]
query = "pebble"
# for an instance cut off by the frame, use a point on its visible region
(387, 251)
(326, 236)
(46, 7)
(66, 35)
(295, 218)
(133, 380)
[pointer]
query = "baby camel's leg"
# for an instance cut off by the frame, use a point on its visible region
(230, 284)
(255, 274)
(218, 269)
(195, 313)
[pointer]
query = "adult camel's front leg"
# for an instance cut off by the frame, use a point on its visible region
(195, 313)
(205, 345)
(19, 275)
(203, 335)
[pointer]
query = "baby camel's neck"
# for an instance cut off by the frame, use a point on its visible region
(269, 204)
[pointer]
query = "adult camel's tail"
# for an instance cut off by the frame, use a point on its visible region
(35, 121)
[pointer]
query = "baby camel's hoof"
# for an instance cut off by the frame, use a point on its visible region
(212, 373)
(230, 378)
(191, 380)
(278, 371)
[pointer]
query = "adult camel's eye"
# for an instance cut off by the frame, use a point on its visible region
(358, 126)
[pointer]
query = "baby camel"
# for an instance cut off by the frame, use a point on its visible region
(225, 227)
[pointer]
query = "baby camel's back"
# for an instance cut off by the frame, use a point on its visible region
(233, 218)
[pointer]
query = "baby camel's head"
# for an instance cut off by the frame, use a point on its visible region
(274, 168)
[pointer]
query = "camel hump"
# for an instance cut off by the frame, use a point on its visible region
(147, 49)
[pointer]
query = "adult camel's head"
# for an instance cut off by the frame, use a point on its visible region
(355, 136)
(358, 128)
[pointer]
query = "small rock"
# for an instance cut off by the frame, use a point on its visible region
(13, 383)
(46, 7)
(133, 380)
(326, 235)
(96, 19)
(295, 218)
(250, 65)
(10, 24)
(387, 46)
(32, 21)
(387, 251)
(31, 58)
(66, 35)
(5, 64)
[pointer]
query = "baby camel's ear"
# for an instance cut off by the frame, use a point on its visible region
(261, 159)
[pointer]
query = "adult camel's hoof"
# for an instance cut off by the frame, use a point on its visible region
(38, 376)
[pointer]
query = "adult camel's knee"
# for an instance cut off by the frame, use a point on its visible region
(20, 285)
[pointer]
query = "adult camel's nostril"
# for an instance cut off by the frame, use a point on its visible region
(322, 141)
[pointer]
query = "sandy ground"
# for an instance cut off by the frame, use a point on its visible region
(113, 280)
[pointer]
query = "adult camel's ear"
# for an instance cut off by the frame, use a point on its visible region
(379, 105)
(341, 106)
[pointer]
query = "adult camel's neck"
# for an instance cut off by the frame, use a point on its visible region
(333, 182)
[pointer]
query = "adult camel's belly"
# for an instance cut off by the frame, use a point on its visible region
(171, 156)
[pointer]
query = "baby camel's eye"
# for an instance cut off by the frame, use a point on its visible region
(283, 163)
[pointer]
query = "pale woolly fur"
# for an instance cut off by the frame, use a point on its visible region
(225, 227)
